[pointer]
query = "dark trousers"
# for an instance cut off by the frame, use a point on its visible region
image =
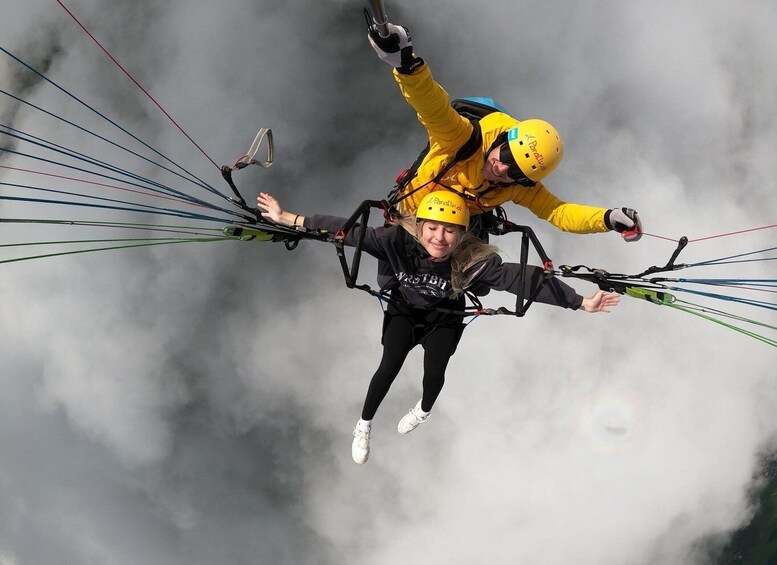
(402, 331)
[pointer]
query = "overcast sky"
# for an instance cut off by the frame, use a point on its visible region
(195, 404)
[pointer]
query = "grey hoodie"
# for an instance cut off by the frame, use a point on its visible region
(424, 283)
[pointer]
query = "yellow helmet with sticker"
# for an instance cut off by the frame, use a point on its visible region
(536, 147)
(444, 206)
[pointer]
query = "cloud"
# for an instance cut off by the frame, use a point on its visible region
(193, 403)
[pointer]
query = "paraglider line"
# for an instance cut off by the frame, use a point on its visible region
(146, 207)
(192, 179)
(711, 236)
(101, 164)
(725, 260)
(179, 200)
(757, 303)
(721, 313)
(733, 233)
(199, 240)
(111, 57)
(161, 228)
(756, 285)
(40, 142)
(161, 211)
(110, 240)
(700, 312)
(106, 118)
(90, 172)
(660, 237)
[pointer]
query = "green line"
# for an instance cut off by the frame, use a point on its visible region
(759, 337)
(666, 299)
(706, 309)
(95, 223)
(199, 240)
(115, 240)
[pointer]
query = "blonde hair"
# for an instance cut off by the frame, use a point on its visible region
(468, 253)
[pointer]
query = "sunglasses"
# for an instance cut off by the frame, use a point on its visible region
(514, 171)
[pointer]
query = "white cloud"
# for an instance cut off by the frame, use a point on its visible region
(199, 399)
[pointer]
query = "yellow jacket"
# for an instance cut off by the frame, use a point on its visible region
(448, 131)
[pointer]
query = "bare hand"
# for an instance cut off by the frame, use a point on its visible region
(601, 302)
(270, 207)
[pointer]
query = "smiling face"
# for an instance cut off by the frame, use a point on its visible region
(495, 170)
(500, 166)
(439, 239)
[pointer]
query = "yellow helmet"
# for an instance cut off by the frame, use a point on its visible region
(444, 206)
(536, 147)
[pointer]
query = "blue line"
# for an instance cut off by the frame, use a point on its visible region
(101, 198)
(83, 204)
(85, 158)
(51, 146)
(44, 77)
(212, 207)
(102, 164)
(195, 181)
(722, 260)
(732, 282)
(758, 303)
(733, 262)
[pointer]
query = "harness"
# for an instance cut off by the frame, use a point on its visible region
(358, 224)
(474, 109)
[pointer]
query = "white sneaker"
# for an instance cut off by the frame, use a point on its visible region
(411, 420)
(360, 448)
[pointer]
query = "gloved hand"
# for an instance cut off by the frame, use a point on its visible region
(396, 49)
(625, 221)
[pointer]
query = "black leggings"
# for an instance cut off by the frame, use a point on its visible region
(400, 334)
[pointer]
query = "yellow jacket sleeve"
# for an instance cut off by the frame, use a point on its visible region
(448, 131)
(576, 218)
(444, 126)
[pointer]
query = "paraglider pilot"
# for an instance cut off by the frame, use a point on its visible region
(513, 157)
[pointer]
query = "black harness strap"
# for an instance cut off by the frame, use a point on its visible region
(359, 221)
(470, 147)
(621, 283)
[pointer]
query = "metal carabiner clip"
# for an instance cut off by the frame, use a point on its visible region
(248, 158)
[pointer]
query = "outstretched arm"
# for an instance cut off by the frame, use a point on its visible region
(576, 218)
(497, 275)
(443, 124)
(601, 301)
(396, 49)
(375, 239)
(270, 208)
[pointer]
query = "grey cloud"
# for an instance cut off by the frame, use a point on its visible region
(194, 404)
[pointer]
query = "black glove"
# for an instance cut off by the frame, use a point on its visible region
(625, 221)
(396, 49)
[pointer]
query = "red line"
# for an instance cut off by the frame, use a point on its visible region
(174, 199)
(660, 237)
(733, 233)
(136, 82)
(712, 236)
